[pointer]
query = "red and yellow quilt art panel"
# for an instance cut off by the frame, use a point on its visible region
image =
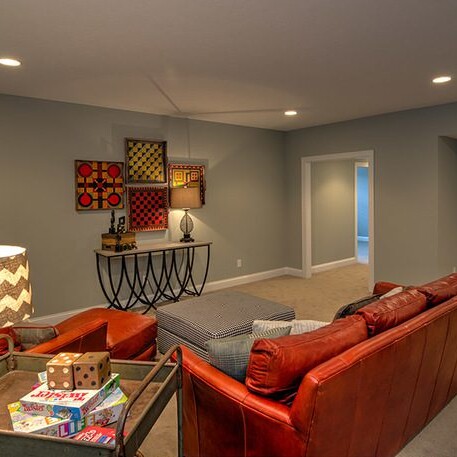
(99, 185)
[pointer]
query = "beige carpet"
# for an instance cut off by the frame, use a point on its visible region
(318, 298)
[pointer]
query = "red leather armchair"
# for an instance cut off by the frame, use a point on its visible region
(125, 335)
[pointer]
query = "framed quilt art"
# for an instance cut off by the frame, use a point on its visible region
(147, 208)
(180, 175)
(99, 185)
(146, 161)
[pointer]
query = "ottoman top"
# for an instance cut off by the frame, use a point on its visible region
(218, 315)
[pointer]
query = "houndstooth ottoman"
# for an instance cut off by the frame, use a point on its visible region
(195, 321)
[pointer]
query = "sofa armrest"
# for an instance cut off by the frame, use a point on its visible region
(90, 336)
(220, 413)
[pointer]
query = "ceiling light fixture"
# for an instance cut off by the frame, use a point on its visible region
(290, 112)
(9, 62)
(441, 79)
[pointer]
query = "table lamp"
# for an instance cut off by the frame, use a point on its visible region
(15, 289)
(185, 198)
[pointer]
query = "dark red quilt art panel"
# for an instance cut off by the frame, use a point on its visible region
(148, 208)
(99, 185)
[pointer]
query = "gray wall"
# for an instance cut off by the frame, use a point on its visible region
(406, 181)
(447, 204)
(332, 211)
(39, 141)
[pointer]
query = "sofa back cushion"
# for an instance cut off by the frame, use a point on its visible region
(382, 287)
(440, 290)
(276, 367)
(392, 311)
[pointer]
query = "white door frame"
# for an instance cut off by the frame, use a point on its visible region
(363, 156)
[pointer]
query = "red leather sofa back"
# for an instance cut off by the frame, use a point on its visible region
(373, 398)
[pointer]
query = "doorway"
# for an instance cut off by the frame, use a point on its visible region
(362, 238)
(359, 156)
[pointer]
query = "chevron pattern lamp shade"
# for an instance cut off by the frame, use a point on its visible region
(15, 289)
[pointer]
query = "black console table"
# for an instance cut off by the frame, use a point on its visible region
(149, 283)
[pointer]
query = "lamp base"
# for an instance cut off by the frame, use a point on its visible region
(186, 238)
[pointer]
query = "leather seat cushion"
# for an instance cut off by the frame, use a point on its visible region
(129, 334)
(277, 366)
(392, 311)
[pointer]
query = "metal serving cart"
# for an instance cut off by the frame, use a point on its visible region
(149, 386)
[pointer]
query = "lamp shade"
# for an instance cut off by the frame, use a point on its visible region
(185, 197)
(15, 289)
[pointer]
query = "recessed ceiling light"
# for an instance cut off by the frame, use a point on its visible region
(9, 62)
(290, 112)
(441, 79)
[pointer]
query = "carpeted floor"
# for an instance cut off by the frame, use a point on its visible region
(318, 298)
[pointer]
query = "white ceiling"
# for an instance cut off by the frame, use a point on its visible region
(233, 61)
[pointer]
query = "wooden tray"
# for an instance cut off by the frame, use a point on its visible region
(148, 385)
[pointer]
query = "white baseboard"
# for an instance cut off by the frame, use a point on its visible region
(209, 287)
(335, 264)
(240, 280)
(58, 317)
(293, 272)
(362, 238)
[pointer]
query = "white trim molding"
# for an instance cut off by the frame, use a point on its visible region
(246, 279)
(332, 265)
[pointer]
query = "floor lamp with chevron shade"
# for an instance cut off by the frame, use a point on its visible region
(15, 289)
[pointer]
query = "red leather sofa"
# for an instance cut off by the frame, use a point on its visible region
(125, 335)
(365, 400)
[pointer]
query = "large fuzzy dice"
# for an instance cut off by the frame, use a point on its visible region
(92, 370)
(59, 371)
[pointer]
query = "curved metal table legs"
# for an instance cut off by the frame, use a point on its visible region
(155, 280)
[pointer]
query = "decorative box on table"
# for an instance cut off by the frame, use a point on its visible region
(118, 241)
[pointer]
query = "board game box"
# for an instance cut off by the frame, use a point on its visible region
(97, 435)
(66, 404)
(105, 413)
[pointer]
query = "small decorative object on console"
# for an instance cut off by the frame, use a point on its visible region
(117, 239)
(92, 370)
(59, 371)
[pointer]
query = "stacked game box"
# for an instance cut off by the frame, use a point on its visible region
(105, 413)
(77, 391)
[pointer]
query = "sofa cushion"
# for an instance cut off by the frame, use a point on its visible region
(382, 287)
(231, 354)
(440, 290)
(296, 325)
(32, 334)
(276, 367)
(392, 311)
